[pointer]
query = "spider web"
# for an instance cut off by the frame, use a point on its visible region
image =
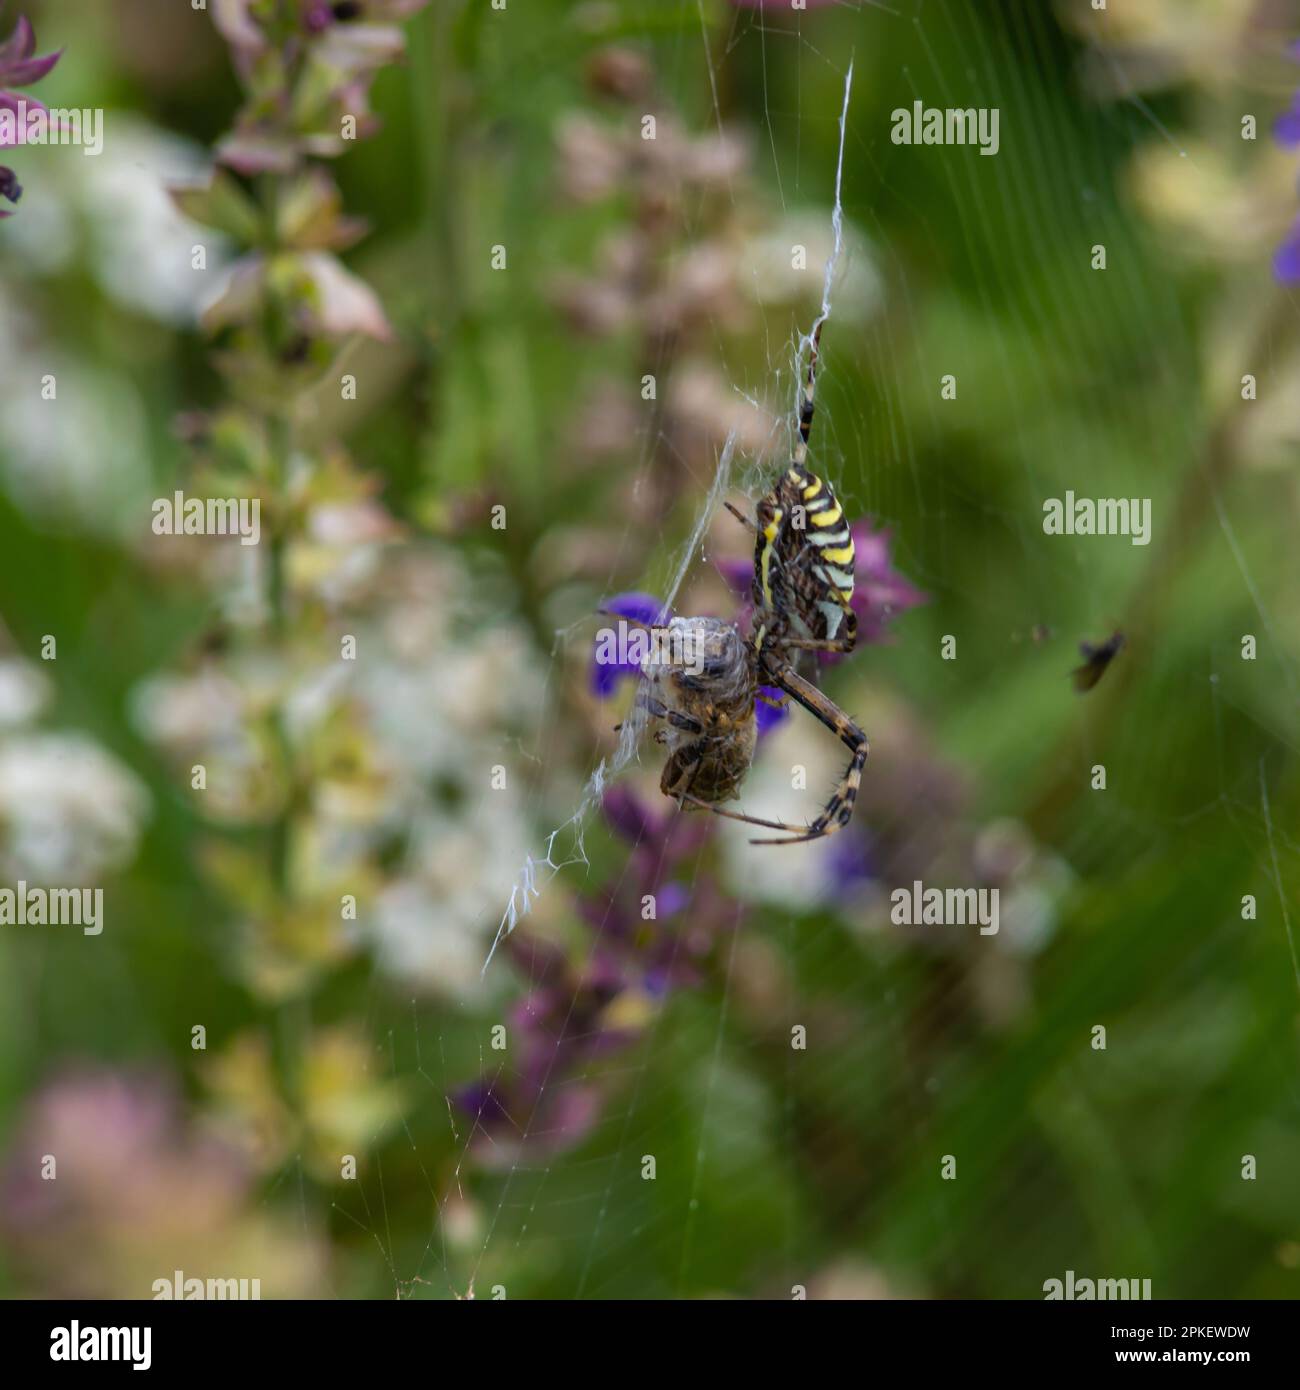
(526, 889)
(899, 1063)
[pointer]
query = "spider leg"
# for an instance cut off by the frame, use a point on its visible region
(740, 815)
(838, 811)
(741, 517)
(843, 645)
(770, 702)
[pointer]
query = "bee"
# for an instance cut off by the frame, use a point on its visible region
(706, 708)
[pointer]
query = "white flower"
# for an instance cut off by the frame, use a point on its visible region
(435, 926)
(24, 692)
(112, 213)
(434, 708)
(45, 463)
(141, 246)
(188, 711)
(69, 810)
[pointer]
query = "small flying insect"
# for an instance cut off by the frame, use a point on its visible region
(1095, 661)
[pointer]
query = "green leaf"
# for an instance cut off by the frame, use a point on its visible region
(223, 204)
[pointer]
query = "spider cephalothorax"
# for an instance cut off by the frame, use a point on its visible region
(803, 584)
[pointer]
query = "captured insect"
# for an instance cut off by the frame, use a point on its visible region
(802, 587)
(1095, 661)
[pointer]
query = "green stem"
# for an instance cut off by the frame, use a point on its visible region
(280, 435)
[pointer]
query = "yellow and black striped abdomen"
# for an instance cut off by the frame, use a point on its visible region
(803, 558)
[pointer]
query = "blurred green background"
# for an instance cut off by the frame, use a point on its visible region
(775, 1168)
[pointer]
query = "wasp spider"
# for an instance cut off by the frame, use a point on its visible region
(803, 583)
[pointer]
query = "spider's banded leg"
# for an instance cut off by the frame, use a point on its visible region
(838, 811)
(782, 675)
(748, 820)
(770, 702)
(741, 517)
(843, 645)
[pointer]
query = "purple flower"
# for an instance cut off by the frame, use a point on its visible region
(582, 1008)
(133, 1178)
(673, 897)
(1286, 259)
(739, 576)
(849, 866)
(880, 593)
(608, 668)
(665, 848)
(317, 15)
(481, 1101)
(660, 837)
(543, 1100)
(18, 68)
(244, 24)
(320, 73)
(320, 14)
(770, 716)
(1286, 131)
